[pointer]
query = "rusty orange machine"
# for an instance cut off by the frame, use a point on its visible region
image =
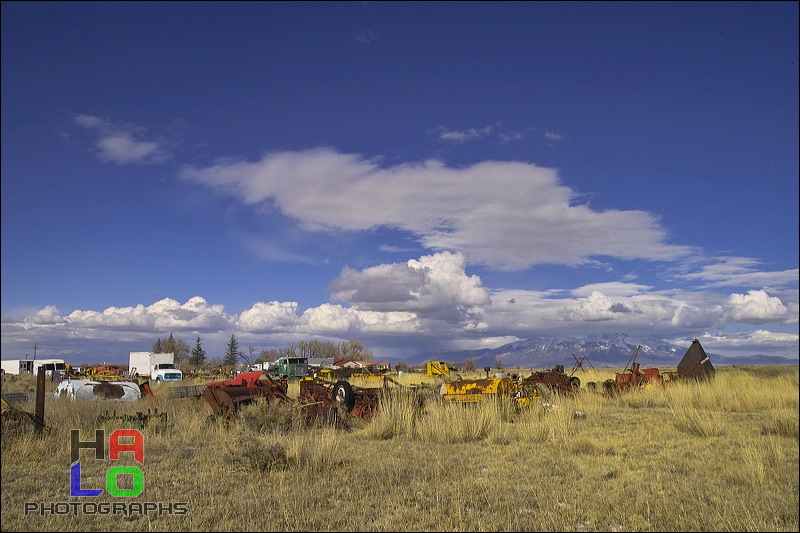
(320, 399)
(226, 397)
(695, 364)
(327, 399)
(556, 380)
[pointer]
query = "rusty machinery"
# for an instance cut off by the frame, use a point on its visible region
(555, 380)
(321, 400)
(633, 377)
(226, 397)
(324, 398)
(695, 364)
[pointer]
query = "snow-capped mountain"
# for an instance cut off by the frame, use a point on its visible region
(614, 350)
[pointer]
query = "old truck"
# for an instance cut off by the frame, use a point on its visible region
(158, 367)
(290, 367)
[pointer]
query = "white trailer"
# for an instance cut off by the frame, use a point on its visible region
(17, 366)
(50, 366)
(159, 367)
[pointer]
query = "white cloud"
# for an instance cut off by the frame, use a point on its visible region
(552, 136)
(614, 288)
(45, 316)
(461, 136)
(116, 142)
(741, 272)
(750, 343)
(757, 307)
(330, 318)
(266, 317)
(164, 315)
(433, 300)
(508, 215)
(435, 286)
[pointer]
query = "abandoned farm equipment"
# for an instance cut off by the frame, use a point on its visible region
(555, 380)
(633, 377)
(519, 393)
(320, 399)
(226, 397)
(695, 364)
(326, 400)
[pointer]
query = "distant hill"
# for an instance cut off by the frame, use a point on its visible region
(612, 350)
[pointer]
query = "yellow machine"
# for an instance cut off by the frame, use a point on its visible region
(437, 368)
(478, 390)
(104, 373)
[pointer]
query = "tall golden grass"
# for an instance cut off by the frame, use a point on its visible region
(716, 456)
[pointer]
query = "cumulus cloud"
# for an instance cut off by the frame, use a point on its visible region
(164, 315)
(596, 306)
(758, 307)
(45, 316)
(267, 317)
(507, 215)
(432, 299)
(118, 143)
(330, 318)
(527, 313)
(435, 286)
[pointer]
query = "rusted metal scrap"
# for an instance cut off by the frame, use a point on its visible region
(140, 419)
(695, 364)
(226, 397)
(633, 377)
(325, 399)
(555, 380)
(320, 399)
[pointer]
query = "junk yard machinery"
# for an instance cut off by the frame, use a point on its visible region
(520, 393)
(226, 397)
(522, 390)
(321, 400)
(695, 364)
(323, 396)
(555, 380)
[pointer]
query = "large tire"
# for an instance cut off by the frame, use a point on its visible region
(574, 383)
(343, 395)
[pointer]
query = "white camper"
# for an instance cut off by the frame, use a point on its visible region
(17, 366)
(31, 366)
(50, 366)
(159, 367)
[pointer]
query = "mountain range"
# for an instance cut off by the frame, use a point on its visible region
(610, 350)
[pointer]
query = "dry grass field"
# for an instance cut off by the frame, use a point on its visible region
(718, 456)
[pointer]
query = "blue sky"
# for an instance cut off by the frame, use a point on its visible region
(416, 175)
